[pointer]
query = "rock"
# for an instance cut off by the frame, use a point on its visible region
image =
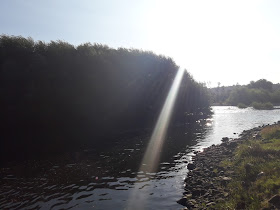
(198, 192)
(189, 196)
(213, 174)
(260, 174)
(189, 203)
(229, 172)
(221, 173)
(191, 166)
(197, 173)
(225, 139)
(232, 144)
(199, 182)
(211, 185)
(214, 192)
(275, 201)
(225, 180)
(210, 204)
(225, 194)
(192, 201)
(224, 144)
(183, 201)
(256, 136)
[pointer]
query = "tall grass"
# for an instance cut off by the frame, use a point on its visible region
(271, 132)
(257, 167)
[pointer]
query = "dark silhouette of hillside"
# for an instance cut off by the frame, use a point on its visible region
(57, 97)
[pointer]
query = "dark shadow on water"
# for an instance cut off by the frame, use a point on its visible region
(76, 176)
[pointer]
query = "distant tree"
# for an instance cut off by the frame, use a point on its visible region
(239, 95)
(262, 83)
(261, 91)
(275, 97)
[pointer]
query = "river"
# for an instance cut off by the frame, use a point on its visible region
(110, 179)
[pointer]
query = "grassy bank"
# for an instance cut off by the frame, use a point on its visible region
(257, 167)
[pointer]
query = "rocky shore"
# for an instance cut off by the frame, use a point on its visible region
(206, 182)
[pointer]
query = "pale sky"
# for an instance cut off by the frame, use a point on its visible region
(216, 41)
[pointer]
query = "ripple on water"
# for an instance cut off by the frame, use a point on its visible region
(106, 180)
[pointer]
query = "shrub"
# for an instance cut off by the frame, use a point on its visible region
(262, 106)
(241, 106)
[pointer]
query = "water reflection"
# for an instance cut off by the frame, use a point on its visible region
(100, 179)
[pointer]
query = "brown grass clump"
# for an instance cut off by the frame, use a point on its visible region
(257, 167)
(271, 132)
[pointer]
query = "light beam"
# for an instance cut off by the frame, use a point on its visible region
(153, 151)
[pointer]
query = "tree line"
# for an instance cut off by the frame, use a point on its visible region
(56, 96)
(256, 92)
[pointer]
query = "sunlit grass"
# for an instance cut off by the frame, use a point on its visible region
(257, 165)
(271, 132)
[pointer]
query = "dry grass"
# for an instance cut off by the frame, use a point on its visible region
(257, 165)
(271, 132)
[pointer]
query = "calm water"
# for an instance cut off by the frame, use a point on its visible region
(110, 179)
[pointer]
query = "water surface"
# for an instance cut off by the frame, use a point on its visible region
(107, 179)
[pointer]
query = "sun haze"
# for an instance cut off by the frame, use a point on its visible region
(216, 41)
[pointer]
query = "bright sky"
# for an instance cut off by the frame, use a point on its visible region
(231, 42)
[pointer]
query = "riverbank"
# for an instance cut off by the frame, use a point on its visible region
(222, 175)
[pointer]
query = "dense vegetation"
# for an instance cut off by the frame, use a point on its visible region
(261, 94)
(257, 164)
(262, 106)
(55, 96)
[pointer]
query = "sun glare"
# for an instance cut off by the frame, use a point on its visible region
(152, 155)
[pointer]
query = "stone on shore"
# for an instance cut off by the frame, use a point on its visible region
(275, 201)
(191, 166)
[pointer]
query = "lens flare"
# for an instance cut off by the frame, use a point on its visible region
(152, 155)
